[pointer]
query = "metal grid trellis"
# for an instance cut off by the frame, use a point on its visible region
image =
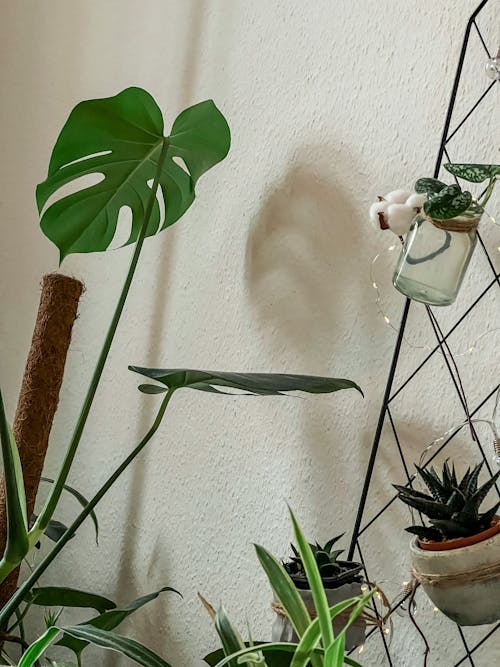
(442, 347)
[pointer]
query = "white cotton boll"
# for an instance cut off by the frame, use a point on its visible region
(399, 218)
(378, 214)
(416, 201)
(397, 196)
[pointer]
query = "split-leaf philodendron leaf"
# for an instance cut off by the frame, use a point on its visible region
(121, 139)
(260, 384)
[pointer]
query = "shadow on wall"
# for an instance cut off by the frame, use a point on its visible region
(300, 258)
(302, 264)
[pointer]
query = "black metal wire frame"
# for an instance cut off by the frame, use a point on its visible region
(441, 346)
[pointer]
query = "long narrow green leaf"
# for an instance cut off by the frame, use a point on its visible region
(55, 596)
(264, 648)
(17, 526)
(83, 502)
(287, 594)
(334, 655)
(315, 584)
(312, 635)
(259, 384)
(114, 642)
(38, 647)
(229, 636)
(285, 590)
(111, 619)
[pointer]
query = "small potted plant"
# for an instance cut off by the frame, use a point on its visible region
(440, 223)
(456, 558)
(341, 580)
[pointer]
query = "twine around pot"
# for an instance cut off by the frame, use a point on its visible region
(468, 577)
(453, 224)
(365, 617)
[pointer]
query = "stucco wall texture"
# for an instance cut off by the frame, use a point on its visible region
(329, 103)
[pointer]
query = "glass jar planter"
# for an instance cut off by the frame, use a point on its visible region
(435, 257)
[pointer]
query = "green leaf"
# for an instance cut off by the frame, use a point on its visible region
(38, 647)
(278, 658)
(312, 635)
(430, 186)
(474, 173)
(261, 384)
(111, 619)
(152, 389)
(55, 596)
(448, 203)
(315, 584)
(83, 502)
(17, 525)
(285, 590)
(121, 138)
(334, 654)
(114, 642)
(229, 636)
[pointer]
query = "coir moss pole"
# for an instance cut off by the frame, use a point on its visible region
(40, 388)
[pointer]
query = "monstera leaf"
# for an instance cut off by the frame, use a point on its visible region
(121, 138)
(474, 173)
(448, 203)
(260, 384)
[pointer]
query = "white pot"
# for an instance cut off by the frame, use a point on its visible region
(465, 601)
(355, 636)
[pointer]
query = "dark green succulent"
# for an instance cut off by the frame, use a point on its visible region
(326, 559)
(452, 506)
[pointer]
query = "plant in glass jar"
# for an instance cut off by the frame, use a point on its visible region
(456, 558)
(440, 222)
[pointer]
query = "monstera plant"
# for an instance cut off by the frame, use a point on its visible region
(120, 142)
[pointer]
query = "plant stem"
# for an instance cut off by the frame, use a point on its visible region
(18, 597)
(53, 499)
(489, 192)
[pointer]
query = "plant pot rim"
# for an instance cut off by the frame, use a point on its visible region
(347, 577)
(460, 542)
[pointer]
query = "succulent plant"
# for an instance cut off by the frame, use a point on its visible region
(326, 559)
(452, 506)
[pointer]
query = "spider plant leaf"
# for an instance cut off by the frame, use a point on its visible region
(38, 647)
(474, 173)
(17, 543)
(315, 584)
(114, 642)
(284, 590)
(334, 654)
(120, 138)
(259, 384)
(311, 637)
(228, 634)
(448, 203)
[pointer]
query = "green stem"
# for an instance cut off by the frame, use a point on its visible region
(489, 192)
(19, 595)
(53, 499)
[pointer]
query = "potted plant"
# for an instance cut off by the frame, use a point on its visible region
(341, 580)
(316, 640)
(440, 223)
(456, 558)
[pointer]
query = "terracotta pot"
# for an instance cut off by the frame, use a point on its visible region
(463, 579)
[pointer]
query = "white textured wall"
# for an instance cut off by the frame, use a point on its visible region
(329, 103)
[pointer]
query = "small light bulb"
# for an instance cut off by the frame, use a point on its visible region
(361, 649)
(387, 320)
(435, 610)
(376, 286)
(387, 631)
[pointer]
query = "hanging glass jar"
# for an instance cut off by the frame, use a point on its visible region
(435, 257)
